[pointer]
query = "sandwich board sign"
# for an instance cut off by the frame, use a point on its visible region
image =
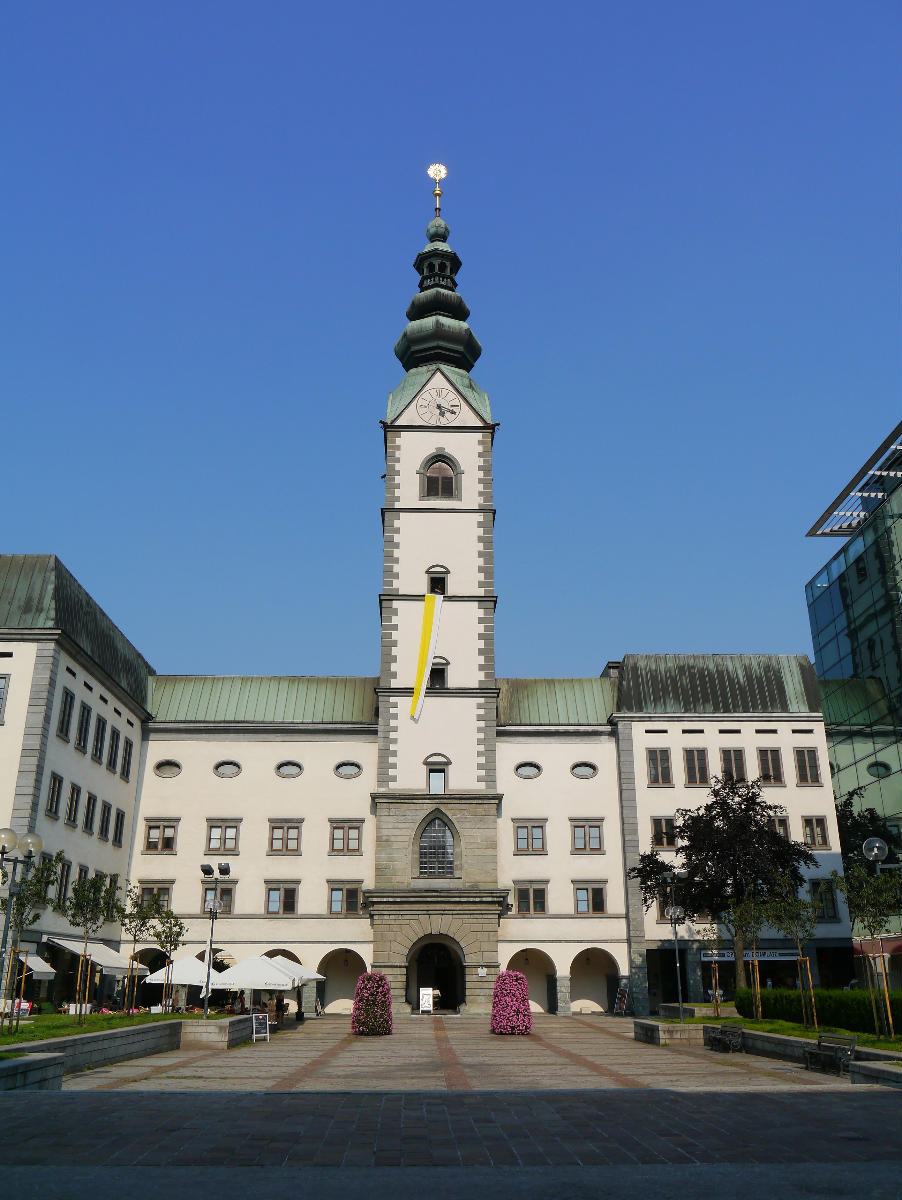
(260, 1027)
(426, 1000)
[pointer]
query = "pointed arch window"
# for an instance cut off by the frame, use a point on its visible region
(436, 849)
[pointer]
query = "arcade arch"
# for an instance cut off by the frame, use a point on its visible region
(541, 978)
(594, 976)
(342, 968)
(436, 961)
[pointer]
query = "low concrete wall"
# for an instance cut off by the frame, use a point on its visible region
(217, 1035)
(697, 1010)
(110, 1046)
(887, 1074)
(661, 1033)
(32, 1073)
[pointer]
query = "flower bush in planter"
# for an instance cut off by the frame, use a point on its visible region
(510, 1004)
(371, 1014)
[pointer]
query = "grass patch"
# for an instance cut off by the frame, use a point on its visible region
(790, 1029)
(55, 1025)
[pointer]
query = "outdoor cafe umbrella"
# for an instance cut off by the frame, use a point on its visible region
(262, 975)
(186, 972)
(301, 974)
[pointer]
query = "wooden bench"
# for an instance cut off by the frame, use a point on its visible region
(832, 1053)
(726, 1039)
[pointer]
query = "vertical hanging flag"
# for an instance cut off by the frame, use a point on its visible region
(432, 608)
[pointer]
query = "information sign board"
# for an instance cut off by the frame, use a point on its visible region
(425, 1000)
(260, 1027)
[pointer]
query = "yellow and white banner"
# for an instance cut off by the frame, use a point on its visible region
(432, 610)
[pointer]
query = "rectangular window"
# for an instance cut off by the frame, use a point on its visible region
(586, 837)
(436, 781)
(529, 838)
(281, 900)
(814, 832)
(344, 900)
(779, 825)
(119, 827)
(531, 898)
(659, 768)
(345, 839)
(84, 727)
(106, 813)
(159, 838)
(824, 899)
(284, 839)
(696, 763)
(149, 891)
(53, 795)
(588, 898)
(662, 834)
(770, 766)
(4, 687)
(125, 771)
(62, 887)
(99, 739)
(90, 810)
(73, 804)
(83, 873)
(732, 765)
(224, 894)
(112, 758)
(807, 768)
(437, 584)
(222, 838)
(438, 676)
(67, 704)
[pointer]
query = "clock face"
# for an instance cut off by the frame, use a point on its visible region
(438, 406)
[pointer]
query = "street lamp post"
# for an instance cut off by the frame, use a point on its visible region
(675, 914)
(214, 907)
(31, 845)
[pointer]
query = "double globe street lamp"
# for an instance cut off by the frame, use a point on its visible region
(213, 906)
(31, 845)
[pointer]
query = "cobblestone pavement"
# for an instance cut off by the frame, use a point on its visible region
(578, 1107)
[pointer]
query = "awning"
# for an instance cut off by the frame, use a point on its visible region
(37, 966)
(111, 962)
(186, 972)
(258, 974)
(887, 945)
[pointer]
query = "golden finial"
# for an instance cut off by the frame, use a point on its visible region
(437, 171)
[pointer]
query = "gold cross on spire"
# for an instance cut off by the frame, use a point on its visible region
(437, 171)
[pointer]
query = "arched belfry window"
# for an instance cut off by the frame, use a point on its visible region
(440, 477)
(436, 849)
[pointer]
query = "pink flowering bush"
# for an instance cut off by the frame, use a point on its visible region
(371, 1014)
(510, 1004)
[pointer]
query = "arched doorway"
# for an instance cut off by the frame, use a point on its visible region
(594, 976)
(342, 969)
(541, 979)
(147, 994)
(436, 962)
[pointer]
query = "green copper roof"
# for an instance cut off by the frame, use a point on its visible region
(417, 379)
(38, 593)
(556, 701)
(717, 683)
(275, 699)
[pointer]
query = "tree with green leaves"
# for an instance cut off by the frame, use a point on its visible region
(26, 903)
(91, 903)
(730, 857)
(874, 899)
(796, 918)
(856, 825)
(168, 932)
(136, 918)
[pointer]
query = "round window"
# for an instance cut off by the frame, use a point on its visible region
(528, 770)
(289, 769)
(584, 770)
(348, 770)
(879, 769)
(167, 768)
(227, 769)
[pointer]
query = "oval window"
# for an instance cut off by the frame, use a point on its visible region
(879, 769)
(227, 769)
(584, 770)
(348, 770)
(168, 768)
(528, 770)
(289, 769)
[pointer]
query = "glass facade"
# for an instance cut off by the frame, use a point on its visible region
(855, 610)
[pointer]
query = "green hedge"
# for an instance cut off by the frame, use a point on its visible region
(843, 1010)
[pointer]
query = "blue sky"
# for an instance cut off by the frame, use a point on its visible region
(679, 230)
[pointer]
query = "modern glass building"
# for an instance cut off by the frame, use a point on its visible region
(855, 610)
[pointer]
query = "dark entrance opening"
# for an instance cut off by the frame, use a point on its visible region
(437, 967)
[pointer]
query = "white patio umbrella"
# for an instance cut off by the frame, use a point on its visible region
(301, 974)
(186, 972)
(260, 974)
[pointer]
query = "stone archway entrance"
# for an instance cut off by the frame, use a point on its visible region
(594, 976)
(437, 964)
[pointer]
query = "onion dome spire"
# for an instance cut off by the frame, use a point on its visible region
(437, 329)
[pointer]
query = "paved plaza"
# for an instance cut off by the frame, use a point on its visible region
(579, 1107)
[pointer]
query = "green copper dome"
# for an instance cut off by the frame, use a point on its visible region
(437, 329)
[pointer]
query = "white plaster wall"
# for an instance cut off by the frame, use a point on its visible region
(462, 444)
(457, 641)
(20, 669)
(447, 725)
(428, 538)
(798, 800)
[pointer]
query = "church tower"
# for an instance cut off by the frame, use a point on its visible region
(436, 904)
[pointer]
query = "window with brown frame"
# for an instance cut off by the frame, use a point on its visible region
(824, 899)
(696, 764)
(662, 834)
(586, 837)
(807, 768)
(732, 765)
(222, 837)
(344, 900)
(161, 891)
(440, 480)
(779, 825)
(588, 899)
(159, 838)
(281, 899)
(531, 898)
(770, 766)
(814, 832)
(72, 804)
(529, 837)
(659, 768)
(284, 837)
(345, 837)
(224, 893)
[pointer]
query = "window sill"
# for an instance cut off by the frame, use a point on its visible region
(52, 815)
(587, 851)
(80, 749)
(345, 854)
(806, 785)
(281, 853)
(224, 853)
(660, 785)
(529, 853)
(63, 738)
(99, 761)
(71, 824)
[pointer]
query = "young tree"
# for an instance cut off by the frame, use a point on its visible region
(168, 932)
(90, 904)
(136, 918)
(796, 918)
(27, 902)
(728, 851)
(874, 900)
